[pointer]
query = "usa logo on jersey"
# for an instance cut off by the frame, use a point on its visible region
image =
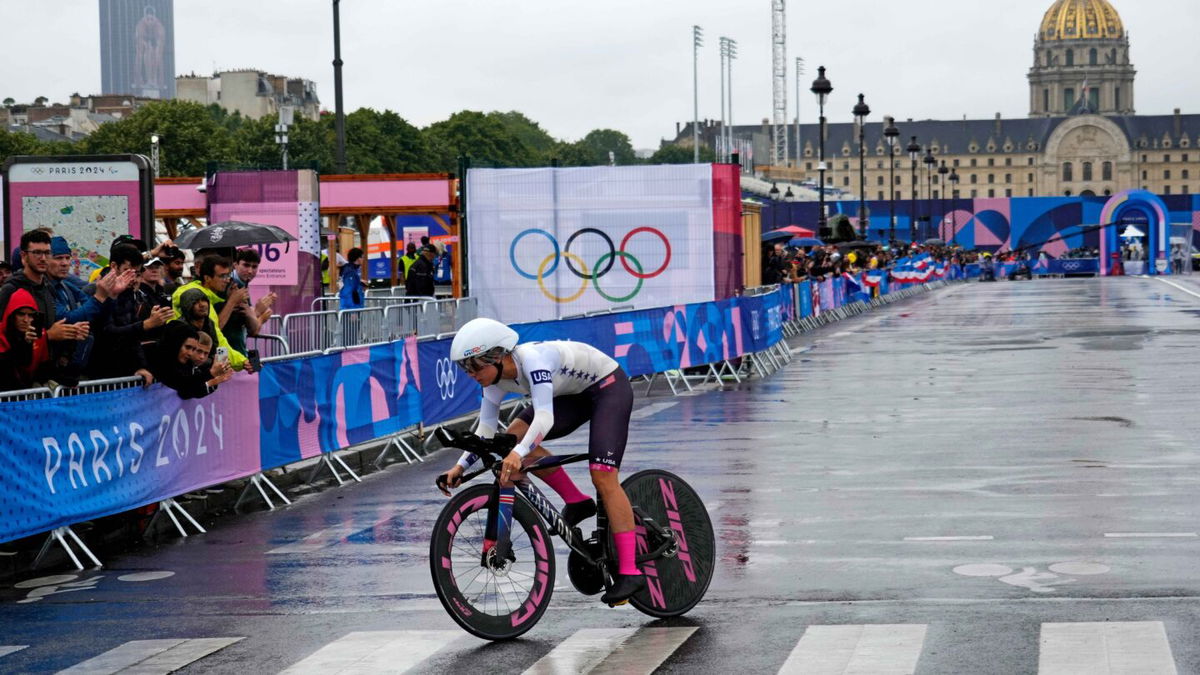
(540, 377)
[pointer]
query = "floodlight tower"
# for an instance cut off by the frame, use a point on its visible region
(779, 144)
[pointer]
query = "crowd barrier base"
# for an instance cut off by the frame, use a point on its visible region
(256, 483)
(402, 446)
(60, 536)
(170, 507)
(332, 461)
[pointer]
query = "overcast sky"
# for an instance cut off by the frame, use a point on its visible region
(626, 64)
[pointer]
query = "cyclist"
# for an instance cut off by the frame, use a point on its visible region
(570, 383)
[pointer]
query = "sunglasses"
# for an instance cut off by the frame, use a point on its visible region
(475, 364)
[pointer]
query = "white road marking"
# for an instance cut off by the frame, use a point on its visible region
(1080, 568)
(1118, 535)
(983, 570)
(857, 650)
(645, 651)
(581, 652)
(377, 651)
(150, 657)
(985, 537)
(325, 538)
(1101, 648)
(652, 409)
(5, 650)
(1175, 285)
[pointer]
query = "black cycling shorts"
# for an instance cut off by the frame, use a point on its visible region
(607, 405)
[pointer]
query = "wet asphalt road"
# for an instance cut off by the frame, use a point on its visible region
(958, 462)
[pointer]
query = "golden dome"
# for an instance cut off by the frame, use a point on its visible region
(1082, 20)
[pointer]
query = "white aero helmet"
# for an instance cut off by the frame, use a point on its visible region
(483, 339)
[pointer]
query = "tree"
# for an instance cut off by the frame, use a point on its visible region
(670, 153)
(384, 142)
(600, 142)
(41, 100)
(310, 143)
(530, 133)
(18, 143)
(9, 102)
(189, 138)
(487, 140)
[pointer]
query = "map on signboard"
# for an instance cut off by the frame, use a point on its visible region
(89, 223)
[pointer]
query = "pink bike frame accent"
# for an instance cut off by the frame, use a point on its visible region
(668, 493)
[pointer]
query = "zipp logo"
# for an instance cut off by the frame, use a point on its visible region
(447, 376)
(540, 377)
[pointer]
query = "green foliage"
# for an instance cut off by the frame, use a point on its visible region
(530, 133)
(671, 153)
(383, 142)
(18, 143)
(189, 137)
(486, 139)
(600, 142)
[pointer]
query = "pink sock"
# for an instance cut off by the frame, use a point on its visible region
(626, 553)
(561, 483)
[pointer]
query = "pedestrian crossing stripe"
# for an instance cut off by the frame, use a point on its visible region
(1100, 648)
(150, 657)
(885, 649)
(378, 651)
(612, 650)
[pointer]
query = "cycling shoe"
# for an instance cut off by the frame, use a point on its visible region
(579, 511)
(624, 587)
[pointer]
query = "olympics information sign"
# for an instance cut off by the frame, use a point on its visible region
(549, 243)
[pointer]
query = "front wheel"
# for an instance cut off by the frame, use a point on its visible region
(506, 598)
(673, 585)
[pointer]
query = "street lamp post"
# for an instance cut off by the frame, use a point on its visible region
(339, 117)
(953, 205)
(154, 156)
(914, 153)
(942, 171)
(861, 110)
(821, 87)
(891, 134)
(731, 47)
(697, 42)
(724, 51)
(930, 161)
(799, 72)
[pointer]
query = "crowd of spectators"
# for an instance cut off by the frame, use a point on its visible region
(138, 316)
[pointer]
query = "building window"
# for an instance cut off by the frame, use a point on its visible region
(1008, 192)
(1144, 176)
(1185, 158)
(1030, 192)
(1045, 100)
(974, 193)
(1186, 191)
(1008, 178)
(899, 180)
(845, 181)
(1087, 170)
(1008, 161)
(1030, 179)
(1068, 172)
(1166, 174)
(879, 181)
(1117, 98)
(991, 161)
(845, 166)
(880, 197)
(956, 163)
(1167, 190)
(935, 195)
(1106, 171)
(809, 166)
(1068, 98)
(974, 162)
(1094, 99)
(1167, 158)
(1070, 57)
(1093, 57)
(991, 193)
(992, 178)
(934, 177)
(1145, 158)
(1030, 161)
(1186, 174)
(974, 179)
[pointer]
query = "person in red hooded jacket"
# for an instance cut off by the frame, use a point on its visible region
(24, 350)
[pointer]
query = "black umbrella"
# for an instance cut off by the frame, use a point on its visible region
(232, 234)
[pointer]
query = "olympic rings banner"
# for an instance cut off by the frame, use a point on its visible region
(446, 391)
(555, 242)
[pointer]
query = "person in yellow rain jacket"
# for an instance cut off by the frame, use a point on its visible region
(214, 280)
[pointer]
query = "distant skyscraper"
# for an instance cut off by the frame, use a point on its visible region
(137, 47)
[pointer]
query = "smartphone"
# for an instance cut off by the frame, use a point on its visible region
(255, 362)
(38, 320)
(222, 355)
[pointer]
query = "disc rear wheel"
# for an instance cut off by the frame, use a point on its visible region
(673, 584)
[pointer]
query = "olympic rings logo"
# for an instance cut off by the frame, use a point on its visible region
(447, 376)
(1072, 266)
(578, 267)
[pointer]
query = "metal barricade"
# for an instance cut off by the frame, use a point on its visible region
(363, 326)
(268, 345)
(274, 325)
(96, 386)
(465, 309)
(437, 316)
(401, 320)
(326, 303)
(25, 394)
(311, 331)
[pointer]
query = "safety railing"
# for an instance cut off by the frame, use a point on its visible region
(311, 331)
(268, 345)
(325, 303)
(26, 394)
(363, 326)
(96, 386)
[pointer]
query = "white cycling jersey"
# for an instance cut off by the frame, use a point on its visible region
(544, 370)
